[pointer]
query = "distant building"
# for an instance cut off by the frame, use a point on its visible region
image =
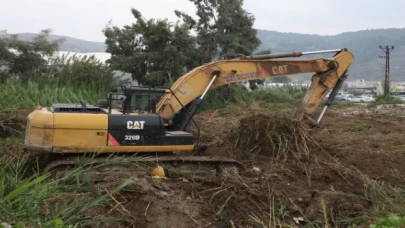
(362, 86)
(374, 87)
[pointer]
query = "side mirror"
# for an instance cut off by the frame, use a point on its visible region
(103, 103)
(121, 98)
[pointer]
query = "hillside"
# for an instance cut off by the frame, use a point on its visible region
(71, 44)
(364, 45)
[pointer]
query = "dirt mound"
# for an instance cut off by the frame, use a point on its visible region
(339, 179)
(272, 135)
(12, 122)
(159, 203)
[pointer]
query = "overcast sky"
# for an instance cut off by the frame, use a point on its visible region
(85, 19)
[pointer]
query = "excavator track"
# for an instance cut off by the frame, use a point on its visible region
(105, 169)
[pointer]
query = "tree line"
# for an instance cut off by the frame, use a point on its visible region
(36, 60)
(154, 51)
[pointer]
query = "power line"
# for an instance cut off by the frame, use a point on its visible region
(387, 51)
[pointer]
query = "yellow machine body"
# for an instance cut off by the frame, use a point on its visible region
(80, 133)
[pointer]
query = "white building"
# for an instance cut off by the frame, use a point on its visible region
(362, 86)
(377, 87)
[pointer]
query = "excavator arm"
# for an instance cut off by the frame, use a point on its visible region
(329, 73)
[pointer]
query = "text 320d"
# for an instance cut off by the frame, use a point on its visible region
(132, 137)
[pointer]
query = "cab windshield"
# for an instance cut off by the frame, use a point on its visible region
(141, 101)
(136, 98)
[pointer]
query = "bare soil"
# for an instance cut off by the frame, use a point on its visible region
(351, 148)
(326, 173)
(12, 122)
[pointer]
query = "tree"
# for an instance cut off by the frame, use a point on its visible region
(27, 58)
(222, 27)
(282, 79)
(6, 56)
(85, 70)
(155, 52)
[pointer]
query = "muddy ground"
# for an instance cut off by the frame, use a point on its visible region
(335, 178)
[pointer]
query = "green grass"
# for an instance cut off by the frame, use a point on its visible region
(360, 127)
(392, 221)
(37, 200)
(230, 97)
(388, 201)
(30, 94)
(15, 94)
(385, 100)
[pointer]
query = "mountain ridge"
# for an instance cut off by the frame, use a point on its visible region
(71, 44)
(364, 44)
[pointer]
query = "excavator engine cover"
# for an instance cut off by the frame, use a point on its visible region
(78, 128)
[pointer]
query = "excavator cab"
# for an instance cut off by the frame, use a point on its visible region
(134, 99)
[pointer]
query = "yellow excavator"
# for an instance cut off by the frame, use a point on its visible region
(150, 124)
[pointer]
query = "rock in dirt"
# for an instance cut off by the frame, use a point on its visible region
(255, 171)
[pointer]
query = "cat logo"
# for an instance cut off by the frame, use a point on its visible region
(282, 69)
(136, 125)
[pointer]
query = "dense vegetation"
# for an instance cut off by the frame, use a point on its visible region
(157, 50)
(31, 75)
(35, 60)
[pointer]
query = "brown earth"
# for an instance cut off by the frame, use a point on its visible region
(332, 175)
(12, 122)
(351, 149)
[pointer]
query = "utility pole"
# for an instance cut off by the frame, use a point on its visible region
(387, 51)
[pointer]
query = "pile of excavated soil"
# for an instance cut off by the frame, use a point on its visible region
(272, 135)
(12, 122)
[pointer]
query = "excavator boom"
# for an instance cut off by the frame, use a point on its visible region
(197, 82)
